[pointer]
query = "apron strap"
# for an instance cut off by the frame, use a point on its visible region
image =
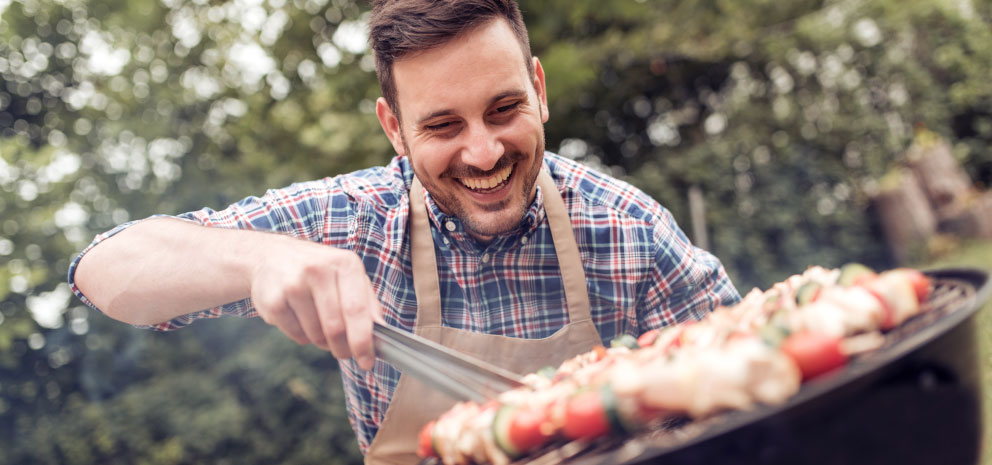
(425, 280)
(425, 276)
(573, 274)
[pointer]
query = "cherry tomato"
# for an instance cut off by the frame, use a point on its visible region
(919, 281)
(585, 416)
(425, 446)
(814, 353)
(647, 338)
(527, 428)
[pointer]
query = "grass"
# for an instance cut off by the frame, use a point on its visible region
(977, 254)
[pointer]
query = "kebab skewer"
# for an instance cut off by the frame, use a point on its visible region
(758, 351)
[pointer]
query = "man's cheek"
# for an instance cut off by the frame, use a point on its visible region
(434, 165)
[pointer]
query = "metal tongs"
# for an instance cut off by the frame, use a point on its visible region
(458, 375)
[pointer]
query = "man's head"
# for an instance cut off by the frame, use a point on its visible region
(402, 27)
(465, 101)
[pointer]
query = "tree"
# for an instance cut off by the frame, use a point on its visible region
(784, 115)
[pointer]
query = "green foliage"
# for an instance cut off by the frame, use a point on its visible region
(785, 114)
(219, 392)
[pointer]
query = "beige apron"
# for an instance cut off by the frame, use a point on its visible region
(414, 404)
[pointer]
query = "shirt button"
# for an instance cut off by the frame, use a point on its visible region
(445, 240)
(523, 240)
(450, 225)
(485, 258)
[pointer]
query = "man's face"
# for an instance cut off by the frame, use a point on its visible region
(472, 125)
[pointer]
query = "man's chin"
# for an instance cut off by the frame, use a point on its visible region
(491, 224)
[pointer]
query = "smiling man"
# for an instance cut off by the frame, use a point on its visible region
(473, 236)
(474, 125)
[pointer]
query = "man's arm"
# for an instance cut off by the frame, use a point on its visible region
(686, 282)
(163, 268)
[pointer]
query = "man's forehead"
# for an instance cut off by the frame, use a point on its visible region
(478, 65)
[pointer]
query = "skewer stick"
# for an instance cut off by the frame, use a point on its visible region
(861, 343)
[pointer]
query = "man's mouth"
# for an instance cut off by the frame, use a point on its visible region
(490, 183)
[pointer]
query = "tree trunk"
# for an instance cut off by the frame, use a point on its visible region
(972, 218)
(941, 177)
(905, 215)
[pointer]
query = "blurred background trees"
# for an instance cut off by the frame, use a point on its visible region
(781, 118)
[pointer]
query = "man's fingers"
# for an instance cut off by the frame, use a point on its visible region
(376, 308)
(325, 296)
(301, 302)
(355, 297)
(281, 316)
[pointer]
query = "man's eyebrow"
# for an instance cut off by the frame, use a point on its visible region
(496, 98)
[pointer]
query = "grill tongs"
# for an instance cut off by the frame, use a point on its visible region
(458, 375)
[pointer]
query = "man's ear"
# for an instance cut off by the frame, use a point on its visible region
(390, 124)
(539, 86)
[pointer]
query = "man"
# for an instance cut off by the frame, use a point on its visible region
(532, 258)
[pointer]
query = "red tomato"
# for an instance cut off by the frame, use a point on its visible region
(585, 416)
(526, 428)
(647, 338)
(425, 446)
(920, 282)
(814, 353)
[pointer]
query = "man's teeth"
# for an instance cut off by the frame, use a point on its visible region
(490, 182)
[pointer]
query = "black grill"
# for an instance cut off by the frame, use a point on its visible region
(915, 400)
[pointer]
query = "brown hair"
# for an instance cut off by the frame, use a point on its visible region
(400, 27)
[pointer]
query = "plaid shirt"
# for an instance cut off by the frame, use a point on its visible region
(641, 269)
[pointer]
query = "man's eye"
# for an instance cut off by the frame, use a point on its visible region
(438, 126)
(506, 108)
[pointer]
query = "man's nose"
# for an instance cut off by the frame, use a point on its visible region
(482, 147)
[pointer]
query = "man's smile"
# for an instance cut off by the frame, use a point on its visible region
(490, 183)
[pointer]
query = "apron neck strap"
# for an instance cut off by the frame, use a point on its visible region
(425, 280)
(425, 276)
(573, 274)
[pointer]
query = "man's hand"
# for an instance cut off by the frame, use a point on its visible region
(317, 295)
(163, 268)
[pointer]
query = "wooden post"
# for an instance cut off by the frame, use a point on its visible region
(971, 217)
(941, 177)
(905, 214)
(697, 215)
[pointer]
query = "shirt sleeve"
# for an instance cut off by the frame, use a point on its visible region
(318, 211)
(686, 283)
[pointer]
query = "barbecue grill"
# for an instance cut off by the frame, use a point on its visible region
(915, 400)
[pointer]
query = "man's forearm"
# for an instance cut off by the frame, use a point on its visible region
(162, 268)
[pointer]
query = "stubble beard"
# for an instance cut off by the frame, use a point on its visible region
(494, 224)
